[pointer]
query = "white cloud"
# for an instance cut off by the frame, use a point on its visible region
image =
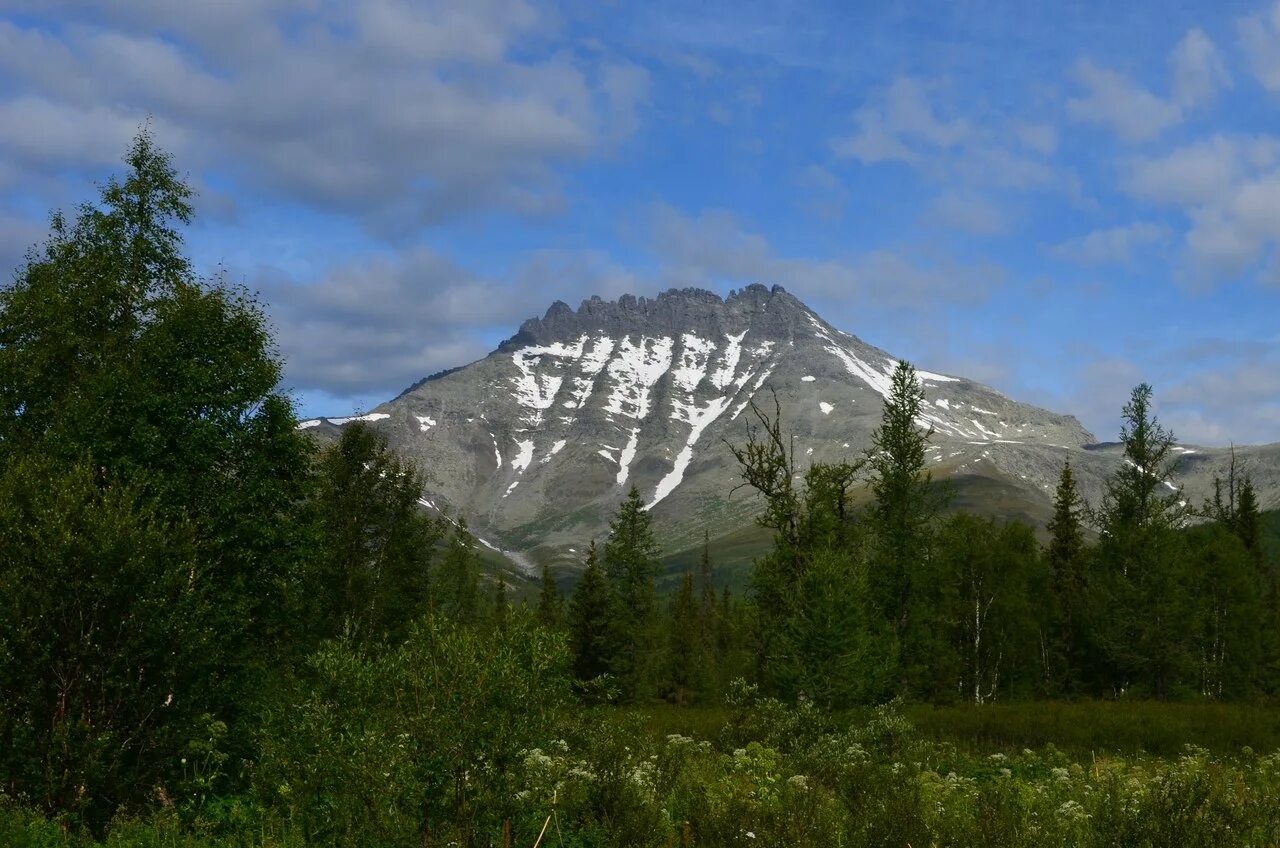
(376, 324)
(1113, 245)
(1118, 103)
(1198, 69)
(1260, 38)
(1136, 114)
(399, 113)
(713, 249)
(905, 123)
(901, 118)
(1228, 188)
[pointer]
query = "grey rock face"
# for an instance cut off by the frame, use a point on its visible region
(537, 443)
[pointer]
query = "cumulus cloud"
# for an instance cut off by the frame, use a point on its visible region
(375, 325)
(907, 122)
(1117, 102)
(1112, 245)
(713, 248)
(400, 113)
(1228, 188)
(1136, 114)
(899, 121)
(1198, 69)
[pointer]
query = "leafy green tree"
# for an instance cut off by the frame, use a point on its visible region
(106, 642)
(590, 621)
(115, 357)
(1228, 604)
(550, 602)
(990, 573)
(1142, 616)
(803, 620)
(631, 563)
(375, 542)
(457, 590)
(1064, 634)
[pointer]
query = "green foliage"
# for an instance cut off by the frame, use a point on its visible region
(551, 612)
(420, 743)
(590, 622)
(631, 564)
(905, 503)
(685, 663)
(370, 574)
(1141, 615)
(988, 575)
(458, 577)
(106, 661)
(143, 401)
(1064, 633)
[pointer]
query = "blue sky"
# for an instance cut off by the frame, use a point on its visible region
(1058, 199)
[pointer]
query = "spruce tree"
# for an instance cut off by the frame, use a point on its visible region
(903, 507)
(902, 513)
(500, 613)
(685, 658)
(631, 563)
(590, 630)
(1064, 632)
(457, 589)
(550, 602)
(370, 574)
(1142, 615)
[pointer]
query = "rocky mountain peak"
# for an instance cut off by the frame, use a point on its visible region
(770, 312)
(536, 443)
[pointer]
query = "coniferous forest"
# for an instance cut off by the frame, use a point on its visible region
(214, 632)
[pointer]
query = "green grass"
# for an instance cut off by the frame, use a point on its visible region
(1080, 728)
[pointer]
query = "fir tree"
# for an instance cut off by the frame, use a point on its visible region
(1063, 636)
(1143, 621)
(590, 630)
(375, 545)
(903, 507)
(685, 658)
(457, 593)
(631, 563)
(501, 609)
(902, 514)
(550, 602)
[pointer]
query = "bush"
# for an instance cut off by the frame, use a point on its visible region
(420, 743)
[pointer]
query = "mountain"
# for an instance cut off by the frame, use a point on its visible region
(537, 443)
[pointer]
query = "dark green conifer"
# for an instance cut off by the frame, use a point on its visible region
(457, 594)
(550, 602)
(631, 563)
(590, 630)
(685, 656)
(1064, 631)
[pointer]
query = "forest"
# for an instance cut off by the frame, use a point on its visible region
(214, 632)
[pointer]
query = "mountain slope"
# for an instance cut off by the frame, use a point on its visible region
(537, 443)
